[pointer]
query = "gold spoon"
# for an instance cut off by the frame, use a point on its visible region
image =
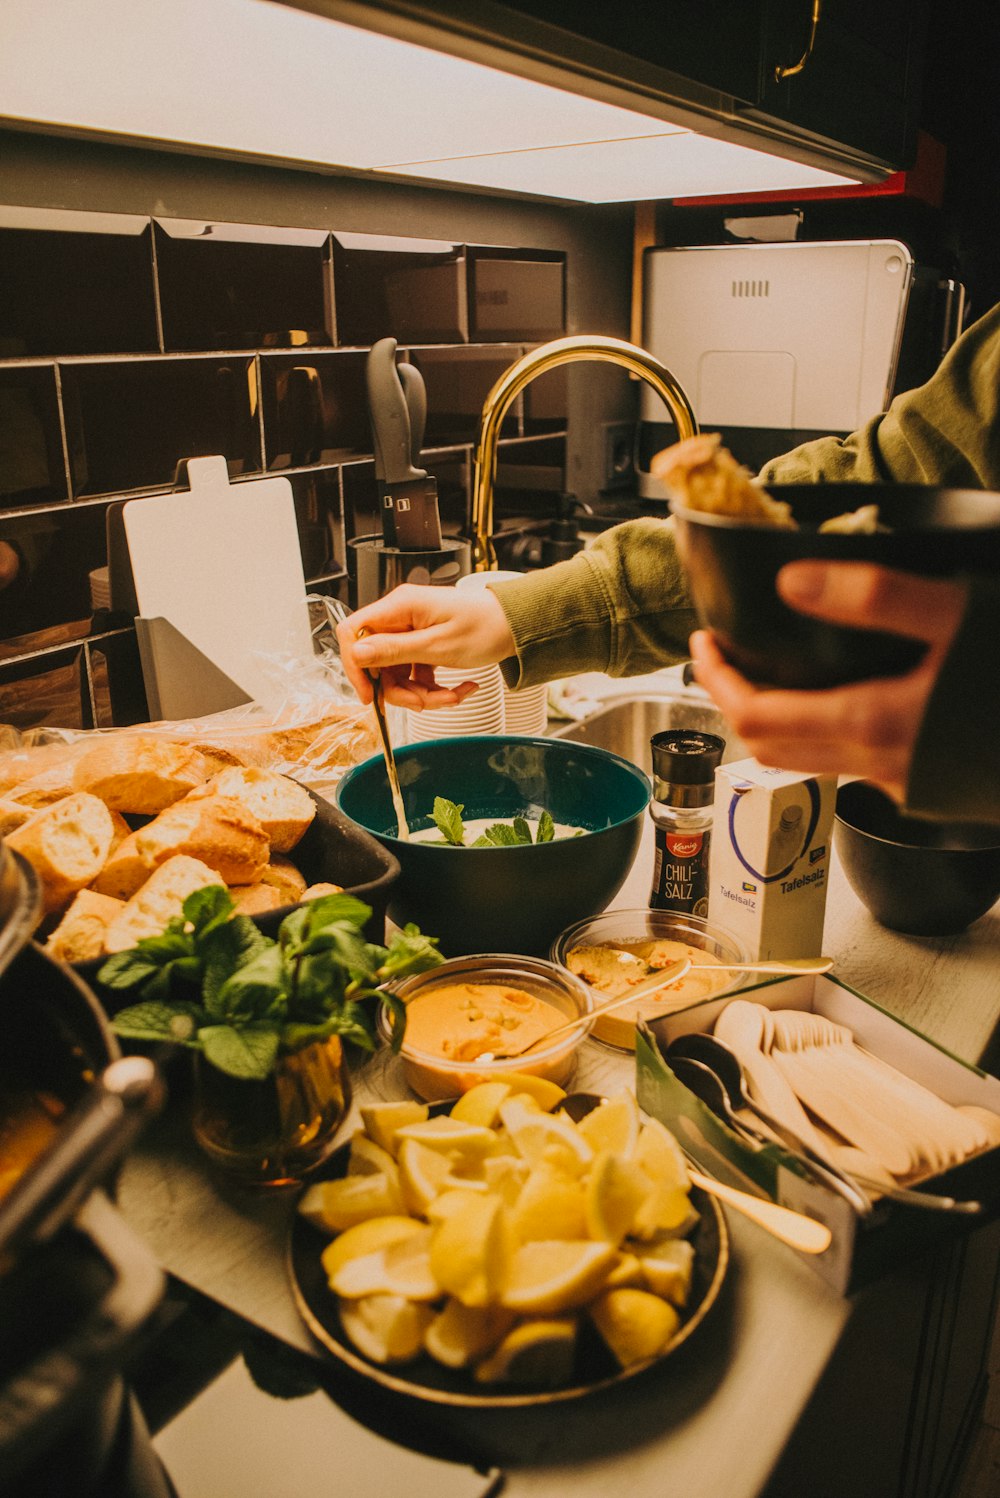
(378, 703)
(653, 984)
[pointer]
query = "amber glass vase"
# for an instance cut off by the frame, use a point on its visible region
(274, 1131)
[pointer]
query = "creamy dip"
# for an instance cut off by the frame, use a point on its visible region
(476, 826)
(462, 1021)
(613, 969)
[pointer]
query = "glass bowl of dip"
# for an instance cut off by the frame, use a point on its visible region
(610, 952)
(477, 1005)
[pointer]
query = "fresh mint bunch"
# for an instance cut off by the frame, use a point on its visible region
(448, 819)
(214, 982)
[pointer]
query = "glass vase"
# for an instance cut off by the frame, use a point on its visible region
(274, 1131)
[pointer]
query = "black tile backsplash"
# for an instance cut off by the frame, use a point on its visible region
(129, 424)
(32, 468)
(315, 409)
(221, 293)
(76, 293)
(128, 345)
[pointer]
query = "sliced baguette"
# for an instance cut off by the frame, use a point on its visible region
(256, 899)
(66, 844)
(286, 879)
(282, 808)
(158, 901)
(81, 934)
(218, 830)
(140, 773)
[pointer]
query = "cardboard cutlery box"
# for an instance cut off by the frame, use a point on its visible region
(863, 1248)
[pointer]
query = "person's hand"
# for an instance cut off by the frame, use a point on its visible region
(413, 629)
(866, 729)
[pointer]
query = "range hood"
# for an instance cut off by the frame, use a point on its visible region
(394, 92)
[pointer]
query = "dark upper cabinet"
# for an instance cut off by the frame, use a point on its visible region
(858, 91)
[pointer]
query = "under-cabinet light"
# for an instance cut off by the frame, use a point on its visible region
(260, 80)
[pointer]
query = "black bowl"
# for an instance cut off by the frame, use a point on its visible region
(731, 567)
(509, 899)
(922, 878)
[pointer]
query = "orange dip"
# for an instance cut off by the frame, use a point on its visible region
(613, 969)
(461, 1021)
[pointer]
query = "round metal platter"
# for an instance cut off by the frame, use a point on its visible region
(424, 1378)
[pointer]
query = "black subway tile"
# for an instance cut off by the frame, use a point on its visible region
(315, 409)
(75, 292)
(546, 402)
(458, 381)
(413, 297)
(32, 469)
(118, 692)
(516, 294)
(318, 517)
(131, 422)
(235, 286)
(52, 554)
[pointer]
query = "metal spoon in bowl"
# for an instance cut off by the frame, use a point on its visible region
(378, 703)
(653, 984)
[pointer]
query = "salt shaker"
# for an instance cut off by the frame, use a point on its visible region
(684, 764)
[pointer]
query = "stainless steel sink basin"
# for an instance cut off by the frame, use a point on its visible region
(625, 725)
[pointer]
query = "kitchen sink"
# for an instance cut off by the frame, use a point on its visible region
(625, 725)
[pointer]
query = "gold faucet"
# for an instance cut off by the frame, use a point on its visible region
(510, 384)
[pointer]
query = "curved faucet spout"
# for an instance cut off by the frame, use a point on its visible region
(510, 384)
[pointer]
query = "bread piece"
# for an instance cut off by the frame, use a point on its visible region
(53, 760)
(703, 475)
(218, 830)
(283, 808)
(13, 814)
(256, 899)
(140, 772)
(158, 901)
(81, 933)
(317, 891)
(66, 844)
(286, 879)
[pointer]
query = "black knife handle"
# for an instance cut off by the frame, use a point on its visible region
(390, 415)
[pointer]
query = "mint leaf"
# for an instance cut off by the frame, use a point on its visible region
(409, 951)
(156, 1021)
(521, 830)
(500, 835)
(546, 828)
(251, 990)
(248, 1053)
(336, 908)
(127, 970)
(448, 819)
(204, 907)
(397, 1014)
(224, 949)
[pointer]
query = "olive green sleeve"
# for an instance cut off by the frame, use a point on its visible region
(944, 432)
(621, 606)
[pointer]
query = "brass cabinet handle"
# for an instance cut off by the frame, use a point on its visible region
(781, 73)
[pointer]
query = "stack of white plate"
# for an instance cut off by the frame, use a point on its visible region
(481, 712)
(526, 711)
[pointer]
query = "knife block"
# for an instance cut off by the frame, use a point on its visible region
(374, 568)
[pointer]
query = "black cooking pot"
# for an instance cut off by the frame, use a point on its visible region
(76, 1285)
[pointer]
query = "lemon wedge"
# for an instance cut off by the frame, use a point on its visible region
(536, 1352)
(617, 1189)
(335, 1205)
(549, 1276)
(461, 1335)
(549, 1204)
(469, 1140)
(470, 1250)
(550, 1138)
(660, 1156)
(627, 1271)
(366, 1158)
(544, 1092)
(381, 1120)
(386, 1328)
(614, 1125)
(635, 1324)
(667, 1268)
(365, 1237)
(402, 1268)
(422, 1175)
(481, 1104)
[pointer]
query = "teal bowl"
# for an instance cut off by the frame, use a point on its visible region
(506, 899)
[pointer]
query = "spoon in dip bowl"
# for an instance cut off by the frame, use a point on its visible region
(378, 703)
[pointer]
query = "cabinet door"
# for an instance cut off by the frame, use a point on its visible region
(859, 85)
(712, 42)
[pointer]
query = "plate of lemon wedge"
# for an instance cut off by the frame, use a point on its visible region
(495, 1251)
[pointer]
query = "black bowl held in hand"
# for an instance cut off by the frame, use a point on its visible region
(919, 877)
(732, 565)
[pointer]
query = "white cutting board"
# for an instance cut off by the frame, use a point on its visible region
(220, 565)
